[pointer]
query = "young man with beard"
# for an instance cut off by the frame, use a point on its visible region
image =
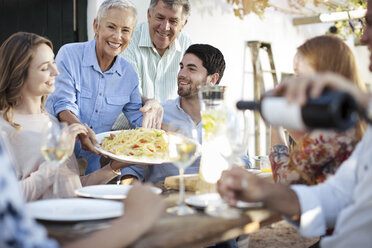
(344, 201)
(201, 65)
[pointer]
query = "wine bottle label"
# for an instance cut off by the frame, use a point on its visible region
(277, 112)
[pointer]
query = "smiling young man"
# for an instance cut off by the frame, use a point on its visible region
(201, 65)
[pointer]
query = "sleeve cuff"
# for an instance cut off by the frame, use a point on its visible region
(130, 171)
(58, 110)
(312, 221)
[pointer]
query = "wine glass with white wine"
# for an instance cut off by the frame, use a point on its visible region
(183, 148)
(55, 147)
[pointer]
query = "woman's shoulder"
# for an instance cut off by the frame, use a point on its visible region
(74, 46)
(73, 51)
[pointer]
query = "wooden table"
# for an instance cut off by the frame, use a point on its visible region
(196, 230)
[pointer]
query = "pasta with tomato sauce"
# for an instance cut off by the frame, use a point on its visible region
(140, 142)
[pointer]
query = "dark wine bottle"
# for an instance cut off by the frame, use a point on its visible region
(332, 110)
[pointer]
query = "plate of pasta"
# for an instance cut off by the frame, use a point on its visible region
(142, 146)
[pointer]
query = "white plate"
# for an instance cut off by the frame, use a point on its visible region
(123, 158)
(108, 191)
(74, 209)
(214, 199)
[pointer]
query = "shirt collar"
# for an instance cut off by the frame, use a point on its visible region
(90, 59)
(145, 39)
(178, 103)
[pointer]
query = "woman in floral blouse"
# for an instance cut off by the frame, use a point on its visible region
(316, 154)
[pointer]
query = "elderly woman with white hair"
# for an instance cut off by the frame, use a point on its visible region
(95, 84)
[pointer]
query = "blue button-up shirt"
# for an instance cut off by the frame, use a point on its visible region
(95, 97)
(157, 173)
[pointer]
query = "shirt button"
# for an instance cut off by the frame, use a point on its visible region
(365, 167)
(96, 110)
(102, 76)
(100, 94)
(91, 127)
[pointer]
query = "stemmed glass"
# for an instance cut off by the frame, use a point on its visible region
(184, 148)
(237, 135)
(55, 147)
(236, 131)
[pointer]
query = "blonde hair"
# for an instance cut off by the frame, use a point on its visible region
(328, 53)
(16, 54)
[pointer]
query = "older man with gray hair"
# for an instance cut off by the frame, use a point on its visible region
(157, 48)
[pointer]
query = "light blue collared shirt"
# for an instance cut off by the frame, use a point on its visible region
(95, 97)
(157, 173)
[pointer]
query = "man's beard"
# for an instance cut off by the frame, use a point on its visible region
(184, 92)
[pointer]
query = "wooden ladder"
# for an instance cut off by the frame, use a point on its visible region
(255, 48)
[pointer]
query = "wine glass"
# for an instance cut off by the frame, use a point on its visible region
(55, 147)
(183, 148)
(237, 135)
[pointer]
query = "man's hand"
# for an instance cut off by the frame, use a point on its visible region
(238, 184)
(128, 179)
(152, 114)
(88, 141)
(295, 89)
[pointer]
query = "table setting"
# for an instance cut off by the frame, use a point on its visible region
(193, 218)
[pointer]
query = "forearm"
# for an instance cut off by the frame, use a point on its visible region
(101, 176)
(35, 185)
(113, 236)
(282, 199)
(276, 137)
(68, 116)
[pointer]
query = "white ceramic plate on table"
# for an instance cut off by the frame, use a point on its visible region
(214, 199)
(108, 191)
(123, 158)
(74, 209)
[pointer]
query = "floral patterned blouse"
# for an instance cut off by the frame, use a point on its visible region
(317, 156)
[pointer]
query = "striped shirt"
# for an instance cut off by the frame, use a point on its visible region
(157, 74)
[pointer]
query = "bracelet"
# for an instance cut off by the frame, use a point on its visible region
(117, 172)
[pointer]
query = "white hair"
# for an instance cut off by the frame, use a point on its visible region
(123, 4)
(186, 8)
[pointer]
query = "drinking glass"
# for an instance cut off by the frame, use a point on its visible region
(55, 147)
(183, 151)
(237, 135)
